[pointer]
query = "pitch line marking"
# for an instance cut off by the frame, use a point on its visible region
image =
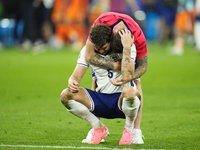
(69, 147)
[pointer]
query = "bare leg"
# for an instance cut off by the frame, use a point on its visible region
(129, 103)
(137, 133)
(139, 115)
(79, 104)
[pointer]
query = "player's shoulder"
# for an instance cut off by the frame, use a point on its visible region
(114, 15)
(104, 17)
(110, 16)
(82, 52)
(83, 49)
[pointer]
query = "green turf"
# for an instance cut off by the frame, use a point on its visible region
(31, 112)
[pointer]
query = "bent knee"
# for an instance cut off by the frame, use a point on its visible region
(129, 91)
(65, 94)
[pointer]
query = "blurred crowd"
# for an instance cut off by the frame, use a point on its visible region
(31, 24)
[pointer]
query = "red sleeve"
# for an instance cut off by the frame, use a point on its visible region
(140, 43)
(111, 18)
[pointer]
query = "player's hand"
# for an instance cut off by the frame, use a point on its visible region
(118, 82)
(73, 87)
(127, 38)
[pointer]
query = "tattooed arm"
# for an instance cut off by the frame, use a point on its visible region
(139, 71)
(128, 66)
(95, 59)
(142, 67)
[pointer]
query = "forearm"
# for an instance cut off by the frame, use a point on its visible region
(128, 67)
(77, 75)
(95, 59)
(101, 62)
(72, 79)
(139, 72)
(142, 68)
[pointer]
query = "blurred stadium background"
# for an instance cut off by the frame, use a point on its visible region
(35, 24)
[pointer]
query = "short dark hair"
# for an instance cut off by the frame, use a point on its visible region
(116, 44)
(100, 34)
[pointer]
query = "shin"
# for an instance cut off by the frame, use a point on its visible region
(130, 108)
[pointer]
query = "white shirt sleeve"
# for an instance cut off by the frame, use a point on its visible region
(133, 52)
(81, 58)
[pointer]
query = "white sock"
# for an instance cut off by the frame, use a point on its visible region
(135, 131)
(130, 108)
(129, 123)
(83, 112)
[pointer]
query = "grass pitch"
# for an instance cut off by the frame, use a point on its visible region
(32, 115)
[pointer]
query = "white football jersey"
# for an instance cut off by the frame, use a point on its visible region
(102, 76)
